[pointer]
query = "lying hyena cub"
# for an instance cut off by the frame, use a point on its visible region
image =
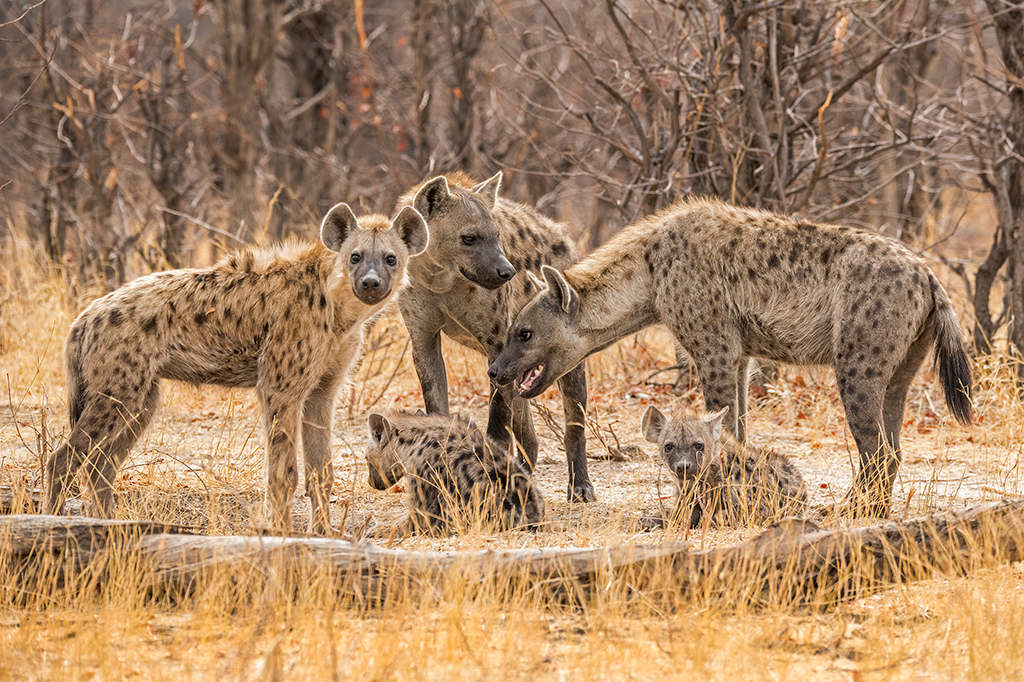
(457, 476)
(718, 476)
(287, 321)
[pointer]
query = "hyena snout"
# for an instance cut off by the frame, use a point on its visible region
(505, 270)
(371, 286)
(685, 470)
(494, 272)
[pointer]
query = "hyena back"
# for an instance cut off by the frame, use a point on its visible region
(458, 287)
(287, 321)
(720, 477)
(733, 283)
(457, 476)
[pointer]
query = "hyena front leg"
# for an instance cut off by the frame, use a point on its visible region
(281, 430)
(573, 386)
(522, 428)
(317, 417)
(429, 363)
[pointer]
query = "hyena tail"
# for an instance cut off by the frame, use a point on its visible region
(73, 353)
(951, 357)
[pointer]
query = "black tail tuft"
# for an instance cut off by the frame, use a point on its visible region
(952, 362)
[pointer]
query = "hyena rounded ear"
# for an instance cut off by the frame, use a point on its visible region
(380, 429)
(560, 289)
(488, 189)
(412, 229)
(337, 225)
(431, 195)
(714, 421)
(652, 423)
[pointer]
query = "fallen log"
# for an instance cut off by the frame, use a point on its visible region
(794, 562)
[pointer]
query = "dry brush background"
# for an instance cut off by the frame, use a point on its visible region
(139, 136)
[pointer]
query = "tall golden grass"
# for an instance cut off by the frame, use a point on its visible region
(200, 464)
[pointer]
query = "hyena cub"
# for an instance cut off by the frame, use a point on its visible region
(719, 476)
(287, 321)
(457, 476)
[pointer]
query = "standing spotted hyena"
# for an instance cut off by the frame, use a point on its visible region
(731, 283)
(287, 321)
(456, 475)
(720, 477)
(458, 286)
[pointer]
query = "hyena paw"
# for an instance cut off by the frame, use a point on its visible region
(582, 492)
(649, 523)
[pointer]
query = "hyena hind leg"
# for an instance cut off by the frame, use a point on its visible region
(104, 461)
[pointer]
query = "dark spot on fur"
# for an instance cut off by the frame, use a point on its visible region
(323, 301)
(773, 261)
(751, 274)
(201, 317)
(149, 326)
(559, 248)
(115, 318)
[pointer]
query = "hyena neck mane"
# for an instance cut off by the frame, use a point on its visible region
(616, 288)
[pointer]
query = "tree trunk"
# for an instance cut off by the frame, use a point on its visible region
(1008, 20)
(793, 563)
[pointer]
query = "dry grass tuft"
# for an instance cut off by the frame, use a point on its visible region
(200, 464)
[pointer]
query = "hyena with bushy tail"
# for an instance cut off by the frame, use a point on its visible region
(457, 477)
(733, 283)
(720, 478)
(287, 321)
(463, 286)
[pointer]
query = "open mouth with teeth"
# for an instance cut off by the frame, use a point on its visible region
(530, 379)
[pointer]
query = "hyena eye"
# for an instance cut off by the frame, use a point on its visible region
(525, 335)
(391, 260)
(355, 258)
(698, 447)
(669, 447)
(468, 239)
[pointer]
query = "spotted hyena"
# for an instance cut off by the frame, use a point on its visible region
(720, 477)
(461, 286)
(733, 283)
(287, 321)
(457, 476)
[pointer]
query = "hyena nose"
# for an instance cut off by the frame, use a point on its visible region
(492, 373)
(683, 468)
(506, 272)
(370, 282)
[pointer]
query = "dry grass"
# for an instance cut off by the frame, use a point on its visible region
(200, 464)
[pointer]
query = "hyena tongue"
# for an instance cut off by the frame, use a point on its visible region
(530, 378)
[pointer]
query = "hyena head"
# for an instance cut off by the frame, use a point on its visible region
(374, 252)
(464, 238)
(386, 467)
(690, 446)
(544, 341)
